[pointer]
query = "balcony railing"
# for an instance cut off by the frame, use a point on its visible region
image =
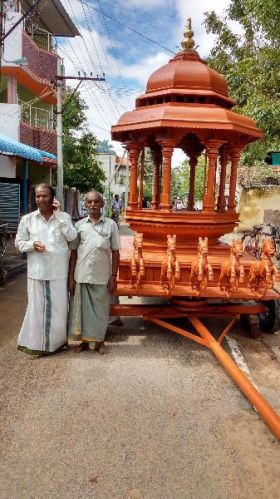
(42, 38)
(42, 63)
(37, 117)
(37, 137)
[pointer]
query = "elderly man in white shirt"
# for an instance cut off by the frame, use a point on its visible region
(93, 272)
(44, 235)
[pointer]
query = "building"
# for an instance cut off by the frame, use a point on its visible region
(115, 169)
(29, 66)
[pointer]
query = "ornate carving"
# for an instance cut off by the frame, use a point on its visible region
(201, 270)
(170, 267)
(232, 271)
(263, 273)
(137, 265)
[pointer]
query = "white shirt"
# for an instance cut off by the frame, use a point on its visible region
(94, 244)
(52, 263)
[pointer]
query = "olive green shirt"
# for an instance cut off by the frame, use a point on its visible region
(94, 245)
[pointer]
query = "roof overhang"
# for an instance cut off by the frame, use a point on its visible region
(12, 147)
(190, 117)
(52, 17)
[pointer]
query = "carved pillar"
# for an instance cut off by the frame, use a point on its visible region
(212, 148)
(234, 158)
(222, 187)
(141, 182)
(167, 150)
(193, 163)
(156, 178)
(133, 149)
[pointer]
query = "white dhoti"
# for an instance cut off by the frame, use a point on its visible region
(44, 326)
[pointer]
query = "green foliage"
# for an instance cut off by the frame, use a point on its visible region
(181, 179)
(103, 146)
(81, 167)
(148, 174)
(250, 62)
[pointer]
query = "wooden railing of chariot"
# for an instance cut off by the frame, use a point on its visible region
(261, 274)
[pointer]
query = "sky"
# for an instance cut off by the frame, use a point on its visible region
(127, 40)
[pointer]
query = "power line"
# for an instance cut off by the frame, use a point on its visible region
(89, 54)
(112, 45)
(27, 13)
(96, 102)
(93, 42)
(128, 27)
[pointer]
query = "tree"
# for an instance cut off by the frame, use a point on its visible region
(250, 62)
(81, 167)
(103, 146)
(181, 180)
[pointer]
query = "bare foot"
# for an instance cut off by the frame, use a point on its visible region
(101, 348)
(82, 346)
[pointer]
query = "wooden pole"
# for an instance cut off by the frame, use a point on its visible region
(141, 184)
(167, 150)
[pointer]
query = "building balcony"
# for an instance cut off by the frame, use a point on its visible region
(38, 137)
(37, 117)
(38, 75)
(41, 63)
(41, 37)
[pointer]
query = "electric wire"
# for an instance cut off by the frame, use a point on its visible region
(98, 57)
(95, 101)
(116, 55)
(117, 112)
(117, 21)
(109, 65)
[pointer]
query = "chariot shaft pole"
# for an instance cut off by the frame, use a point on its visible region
(270, 417)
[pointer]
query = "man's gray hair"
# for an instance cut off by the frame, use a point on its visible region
(94, 191)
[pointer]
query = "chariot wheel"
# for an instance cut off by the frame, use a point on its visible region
(270, 319)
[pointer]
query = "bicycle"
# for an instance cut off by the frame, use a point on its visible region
(252, 239)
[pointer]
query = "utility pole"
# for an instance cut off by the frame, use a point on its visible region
(59, 131)
(2, 30)
(60, 79)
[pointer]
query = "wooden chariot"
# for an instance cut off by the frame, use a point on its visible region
(177, 255)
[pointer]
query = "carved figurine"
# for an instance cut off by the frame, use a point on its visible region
(263, 273)
(232, 271)
(201, 270)
(137, 262)
(170, 267)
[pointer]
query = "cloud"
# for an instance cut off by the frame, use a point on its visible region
(126, 58)
(142, 69)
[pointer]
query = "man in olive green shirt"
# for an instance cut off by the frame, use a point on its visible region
(93, 269)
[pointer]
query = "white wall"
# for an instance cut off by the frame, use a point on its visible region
(13, 43)
(7, 167)
(108, 165)
(9, 120)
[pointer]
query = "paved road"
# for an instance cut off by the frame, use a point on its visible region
(157, 418)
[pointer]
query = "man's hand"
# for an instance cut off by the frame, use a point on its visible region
(112, 284)
(71, 285)
(56, 205)
(38, 246)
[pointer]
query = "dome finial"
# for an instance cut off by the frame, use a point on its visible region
(188, 42)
